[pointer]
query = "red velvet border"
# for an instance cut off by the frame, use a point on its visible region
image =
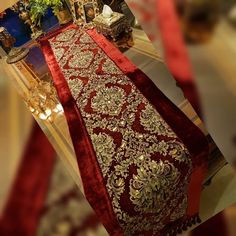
(22, 213)
(94, 186)
(190, 134)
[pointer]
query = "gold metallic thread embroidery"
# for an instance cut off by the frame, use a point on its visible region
(75, 86)
(155, 188)
(152, 186)
(109, 101)
(104, 148)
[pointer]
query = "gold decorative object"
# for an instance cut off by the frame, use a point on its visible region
(63, 16)
(15, 54)
(113, 25)
(6, 39)
(84, 11)
(42, 100)
(39, 94)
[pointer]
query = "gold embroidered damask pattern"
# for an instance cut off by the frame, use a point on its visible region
(80, 59)
(109, 101)
(104, 148)
(152, 122)
(85, 39)
(59, 53)
(152, 186)
(65, 36)
(107, 67)
(139, 155)
(75, 86)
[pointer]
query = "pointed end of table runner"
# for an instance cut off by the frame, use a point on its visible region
(180, 227)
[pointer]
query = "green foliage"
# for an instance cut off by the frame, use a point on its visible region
(38, 9)
(56, 5)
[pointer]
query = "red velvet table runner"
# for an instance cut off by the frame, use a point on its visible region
(176, 53)
(24, 207)
(160, 22)
(141, 160)
(44, 200)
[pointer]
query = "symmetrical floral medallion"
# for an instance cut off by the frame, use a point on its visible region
(108, 101)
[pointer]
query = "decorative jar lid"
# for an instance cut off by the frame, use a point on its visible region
(2, 29)
(115, 18)
(17, 54)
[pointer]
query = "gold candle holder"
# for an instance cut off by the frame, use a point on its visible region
(42, 100)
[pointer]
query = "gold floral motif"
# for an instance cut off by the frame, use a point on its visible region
(116, 186)
(85, 39)
(81, 59)
(153, 186)
(153, 122)
(104, 148)
(137, 224)
(108, 67)
(141, 164)
(178, 151)
(109, 101)
(76, 86)
(59, 52)
(65, 36)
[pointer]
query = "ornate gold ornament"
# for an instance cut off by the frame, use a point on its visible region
(84, 11)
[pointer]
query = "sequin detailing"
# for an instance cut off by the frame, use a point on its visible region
(104, 148)
(152, 122)
(108, 101)
(75, 86)
(85, 39)
(108, 68)
(180, 210)
(152, 186)
(139, 155)
(67, 35)
(59, 53)
(81, 59)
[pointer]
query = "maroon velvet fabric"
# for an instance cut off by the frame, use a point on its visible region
(190, 134)
(94, 185)
(90, 172)
(26, 200)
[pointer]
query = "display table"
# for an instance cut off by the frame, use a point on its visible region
(58, 134)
